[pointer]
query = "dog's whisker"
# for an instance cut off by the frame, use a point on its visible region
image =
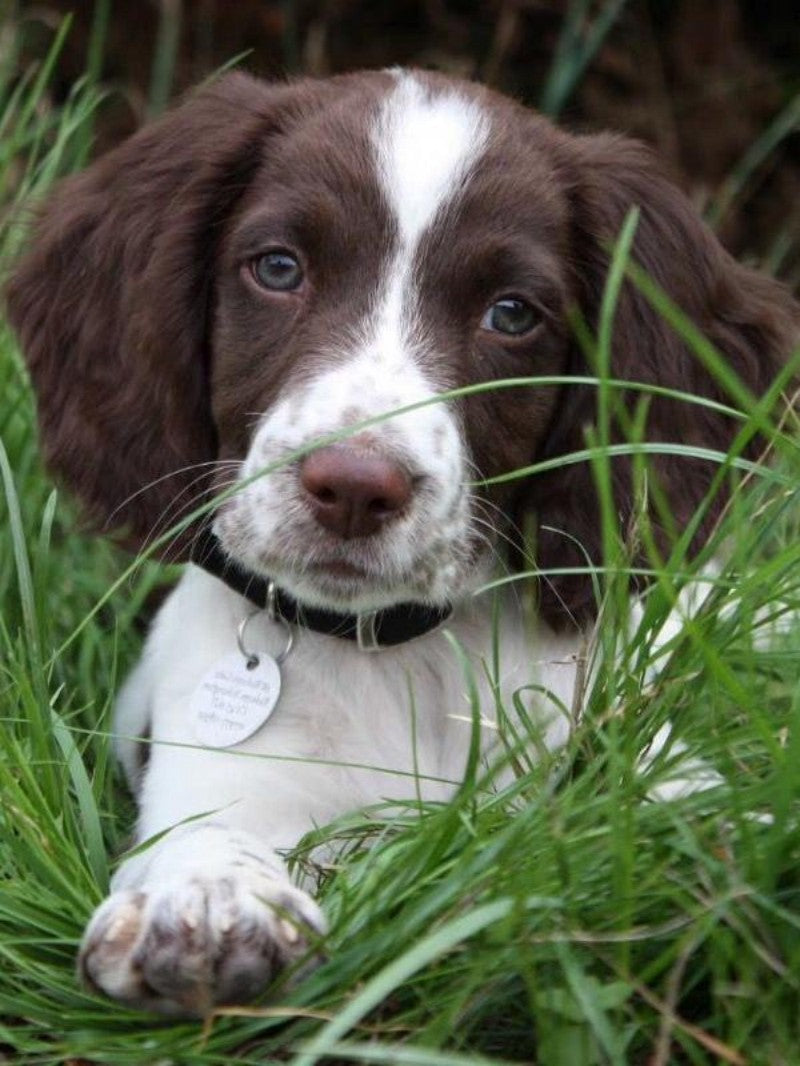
(180, 506)
(175, 514)
(178, 472)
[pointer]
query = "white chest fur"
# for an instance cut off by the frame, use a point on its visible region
(351, 728)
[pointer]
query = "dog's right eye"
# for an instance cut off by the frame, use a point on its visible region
(511, 316)
(278, 270)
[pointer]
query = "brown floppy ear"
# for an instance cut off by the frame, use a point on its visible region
(111, 305)
(750, 318)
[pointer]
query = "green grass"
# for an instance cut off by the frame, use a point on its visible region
(564, 918)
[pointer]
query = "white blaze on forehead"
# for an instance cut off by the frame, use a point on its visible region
(426, 142)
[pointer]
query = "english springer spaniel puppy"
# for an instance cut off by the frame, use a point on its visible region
(222, 309)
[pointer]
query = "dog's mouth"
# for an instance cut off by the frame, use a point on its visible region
(424, 555)
(340, 569)
(339, 577)
(350, 580)
(361, 577)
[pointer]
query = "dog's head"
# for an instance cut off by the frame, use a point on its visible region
(269, 265)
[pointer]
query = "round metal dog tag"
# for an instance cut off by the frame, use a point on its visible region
(235, 698)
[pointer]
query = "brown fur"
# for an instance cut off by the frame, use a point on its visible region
(750, 319)
(149, 360)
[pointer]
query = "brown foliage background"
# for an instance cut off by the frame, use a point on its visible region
(701, 80)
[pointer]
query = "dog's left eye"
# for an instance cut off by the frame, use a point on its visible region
(278, 271)
(511, 316)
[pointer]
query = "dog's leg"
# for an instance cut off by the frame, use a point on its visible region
(206, 913)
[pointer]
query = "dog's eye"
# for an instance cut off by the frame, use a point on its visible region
(511, 316)
(277, 270)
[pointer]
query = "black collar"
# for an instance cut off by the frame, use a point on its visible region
(372, 630)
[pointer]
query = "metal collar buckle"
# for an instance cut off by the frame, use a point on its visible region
(367, 631)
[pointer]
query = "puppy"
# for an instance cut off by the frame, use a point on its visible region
(221, 310)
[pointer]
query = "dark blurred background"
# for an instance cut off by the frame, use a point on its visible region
(714, 85)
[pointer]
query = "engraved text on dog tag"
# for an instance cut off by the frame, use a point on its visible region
(234, 699)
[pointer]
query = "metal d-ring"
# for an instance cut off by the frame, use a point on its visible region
(251, 656)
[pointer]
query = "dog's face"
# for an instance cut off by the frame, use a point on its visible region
(269, 266)
(370, 281)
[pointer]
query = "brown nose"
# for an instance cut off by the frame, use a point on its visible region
(353, 493)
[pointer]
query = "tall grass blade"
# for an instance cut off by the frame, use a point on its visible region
(577, 46)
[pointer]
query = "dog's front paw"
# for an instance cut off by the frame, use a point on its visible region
(183, 947)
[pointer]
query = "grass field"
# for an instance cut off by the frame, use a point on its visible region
(564, 919)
